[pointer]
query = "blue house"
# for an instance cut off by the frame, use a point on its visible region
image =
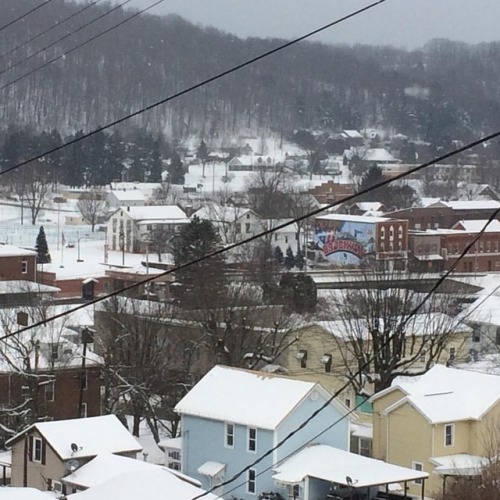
(233, 416)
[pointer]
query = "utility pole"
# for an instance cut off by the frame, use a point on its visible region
(87, 337)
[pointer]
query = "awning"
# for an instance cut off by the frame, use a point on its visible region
(460, 464)
(433, 256)
(339, 466)
(211, 468)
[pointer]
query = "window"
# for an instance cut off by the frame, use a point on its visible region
(54, 351)
(252, 439)
(229, 441)
(302, 357)
(327, 361)
(83, 413)
(476, 334)
(49, 391)
(391, 233)
(449, 434)
(382, 232)
(251, 479)
(238, 228)
(57, 486)
(400, 232)
(247, 227)
(453, 353)
(420, 467)
(418, 226)
(84, 379)
(348, 402)
(37, 450)
(24, 266)
(174, 460)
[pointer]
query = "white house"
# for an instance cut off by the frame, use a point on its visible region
(131, 227)
(232, 223)
(126, 198)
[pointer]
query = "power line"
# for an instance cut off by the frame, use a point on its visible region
(193, 87)
(360, 370)
(22, 16)
(271, 231)
(55, 42)
(50, 28)
(68, 52)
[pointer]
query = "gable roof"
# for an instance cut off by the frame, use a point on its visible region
(245, 397)
(448, 394)
(154, 484)
(92, 435)
(475, 226)
(156, 212)
(130, 195)
(107, 466)
(13, 251)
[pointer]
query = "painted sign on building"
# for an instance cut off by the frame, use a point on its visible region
(345, 242)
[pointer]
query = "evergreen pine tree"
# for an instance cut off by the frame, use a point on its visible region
(176, 170)
(278, 255)
(202, 155)
(42, 248)
(156, 164)
(299, 259)
(289, 258)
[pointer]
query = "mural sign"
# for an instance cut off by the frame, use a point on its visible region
(345, 242)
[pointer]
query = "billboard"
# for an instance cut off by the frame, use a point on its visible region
(345, 242)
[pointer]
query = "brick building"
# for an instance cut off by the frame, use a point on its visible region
(330, 191)
(17, 263)
(444, 214)
(352, 240)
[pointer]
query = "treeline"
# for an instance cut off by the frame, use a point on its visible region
(444, 90)
(95, 161)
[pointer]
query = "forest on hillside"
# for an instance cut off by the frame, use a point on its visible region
(445, 90)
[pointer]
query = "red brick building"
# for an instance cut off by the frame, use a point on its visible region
(330, 191)
(17, 263)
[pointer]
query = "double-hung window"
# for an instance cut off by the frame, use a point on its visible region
(252, 439)
(251, 481)
(449, 434)
(37, 450)
(229, 437)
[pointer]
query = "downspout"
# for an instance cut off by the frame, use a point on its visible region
(387, 438)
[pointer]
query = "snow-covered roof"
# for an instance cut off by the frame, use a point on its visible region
(92, 435)
(22, 286)
(379, 155)
(475, 226)
(460, 464)
(369, 205)
(335, 465)
(424, 324)
(448, 394)
(484, 310)
(130, 195)
(218, 213)
(471, 204)
(157, 212)
(14, 493)
(353, 134)
(104, 467)
(353, 218)
(13, 251)
(153, 484)
(244, 397)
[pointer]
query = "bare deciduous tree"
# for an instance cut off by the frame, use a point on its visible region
(377, 333)
(93, 207)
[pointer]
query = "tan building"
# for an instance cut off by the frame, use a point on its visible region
(45, 452)
(441, 423)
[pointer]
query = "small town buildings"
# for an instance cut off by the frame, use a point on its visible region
(17, 263)
(232, 417)
(444, 423)
(232, 223)
(285, 237)
(151, 483)
(131, 229)
(126, 198)
(331, 192)
(46, 452)
(351, 240)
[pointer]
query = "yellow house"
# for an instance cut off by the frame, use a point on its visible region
(442, 422)
(324, 352)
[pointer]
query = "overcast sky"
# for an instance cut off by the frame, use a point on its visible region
(403, 23)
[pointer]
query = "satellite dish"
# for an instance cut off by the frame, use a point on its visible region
(74, 447)
(72, 465)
